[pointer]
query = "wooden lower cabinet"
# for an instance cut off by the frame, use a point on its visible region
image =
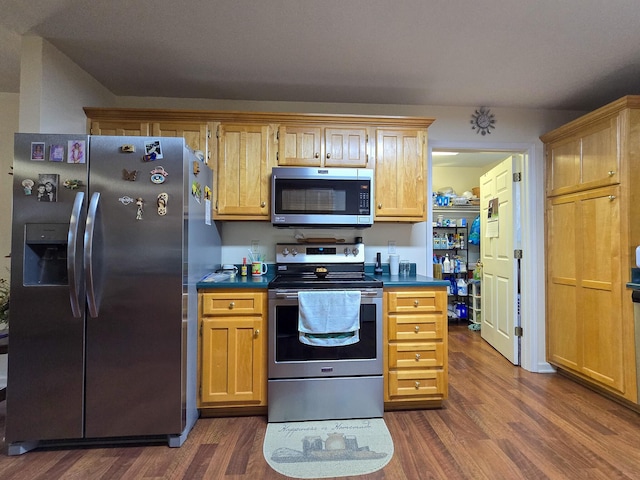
(232, 350)
(415, 357)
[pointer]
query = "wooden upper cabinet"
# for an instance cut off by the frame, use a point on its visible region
(316, 146)
(120, 128)
(300, 146)
(249, 144)
(243, 172)
(195, 134)
(586, 160)
(346, 147)
(400, 175)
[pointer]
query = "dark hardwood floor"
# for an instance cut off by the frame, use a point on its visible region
(500, 422)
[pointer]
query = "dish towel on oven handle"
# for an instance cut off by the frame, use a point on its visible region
(329, 318)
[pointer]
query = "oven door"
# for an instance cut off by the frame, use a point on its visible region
(289, 358)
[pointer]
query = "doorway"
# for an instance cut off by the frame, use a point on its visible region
(482, 156)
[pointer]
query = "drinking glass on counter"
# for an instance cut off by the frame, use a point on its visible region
(405, 267)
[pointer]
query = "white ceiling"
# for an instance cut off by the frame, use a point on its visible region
(551, 54)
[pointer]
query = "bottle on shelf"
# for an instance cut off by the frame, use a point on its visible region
(446, 264)
(462, 287)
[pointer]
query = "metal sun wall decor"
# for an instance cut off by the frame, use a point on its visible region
(482, 121)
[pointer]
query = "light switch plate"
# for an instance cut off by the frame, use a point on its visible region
(392, 246)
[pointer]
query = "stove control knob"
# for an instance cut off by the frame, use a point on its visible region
(294, 251)
(347, 251)
(285, 251)
(356, 251)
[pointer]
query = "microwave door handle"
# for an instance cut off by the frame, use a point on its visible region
(92, 302)
(72, 252)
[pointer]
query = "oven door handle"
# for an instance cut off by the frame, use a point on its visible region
(293, 295)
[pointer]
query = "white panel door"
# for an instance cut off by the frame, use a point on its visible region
(499, 224)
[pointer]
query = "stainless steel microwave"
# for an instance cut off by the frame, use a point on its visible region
(321, 197)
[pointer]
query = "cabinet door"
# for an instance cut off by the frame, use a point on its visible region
(584, 321)
(194, 134)
(232, 360)
(299, 146)
(346, 147)
(400, 175)
(562, 282)
(600, 155)
(589, 161)
(599, 307)
(243, 175)
(120, 128)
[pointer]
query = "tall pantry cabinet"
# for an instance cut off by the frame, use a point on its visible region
(592, 229)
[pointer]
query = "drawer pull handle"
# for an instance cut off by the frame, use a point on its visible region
(232, 305)
(417, 385)
(611, 173)
(257, 333)
(417, 357)
(417, 329)
(612, 197)
(416, 303)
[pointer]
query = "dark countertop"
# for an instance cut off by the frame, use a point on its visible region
(239, 282)
(411, 280)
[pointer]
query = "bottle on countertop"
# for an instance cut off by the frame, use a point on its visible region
(243, 268)
(378, 268)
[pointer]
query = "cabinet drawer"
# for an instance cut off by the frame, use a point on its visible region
(427, 301)
(416, 355)
(416, 327)
(232, 303)
(416, 383)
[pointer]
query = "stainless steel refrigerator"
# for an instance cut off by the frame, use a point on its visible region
(110, 235)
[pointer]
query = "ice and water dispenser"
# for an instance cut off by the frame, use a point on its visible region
(45, 254)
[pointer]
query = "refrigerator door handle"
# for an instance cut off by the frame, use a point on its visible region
(92, 302)
(72, 265)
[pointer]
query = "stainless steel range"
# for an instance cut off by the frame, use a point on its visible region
(319, 381)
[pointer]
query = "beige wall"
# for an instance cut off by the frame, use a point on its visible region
(54, 90)
(461, 179)
(9, 105)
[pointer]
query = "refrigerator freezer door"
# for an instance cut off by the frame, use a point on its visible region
(45, 388)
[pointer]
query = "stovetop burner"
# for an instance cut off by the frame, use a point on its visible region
(329, 282)
(337, 266)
